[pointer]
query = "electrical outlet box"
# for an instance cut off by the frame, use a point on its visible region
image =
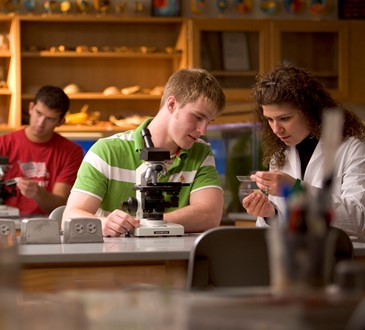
(82, 230)
(40, 231)
(7, 232)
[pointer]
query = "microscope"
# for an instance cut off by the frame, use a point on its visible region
(7, 189)
(152, 196)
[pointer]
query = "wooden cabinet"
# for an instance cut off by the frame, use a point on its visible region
(8, 72)
(320, 46)
(257, 46)
(234, 51)
(100, 52)
(357, 62)
(96, 52)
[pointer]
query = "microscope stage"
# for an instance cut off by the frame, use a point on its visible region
(158, 229)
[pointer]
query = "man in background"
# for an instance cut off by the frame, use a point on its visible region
(43, 163)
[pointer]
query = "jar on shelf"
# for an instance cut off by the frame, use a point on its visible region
(4, 42)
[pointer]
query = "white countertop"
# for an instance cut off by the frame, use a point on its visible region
(116, 249)
(121, 249)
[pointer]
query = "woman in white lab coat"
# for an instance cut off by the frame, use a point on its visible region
(290, 106)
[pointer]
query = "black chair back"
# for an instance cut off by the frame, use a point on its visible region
(229, 256)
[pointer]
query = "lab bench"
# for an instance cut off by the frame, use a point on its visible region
(114, 264)
(117, 263)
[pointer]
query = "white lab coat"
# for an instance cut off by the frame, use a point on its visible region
(348, 191)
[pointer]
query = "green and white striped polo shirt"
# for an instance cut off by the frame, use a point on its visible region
(108, 170)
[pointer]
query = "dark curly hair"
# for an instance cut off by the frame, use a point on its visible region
(297, 87)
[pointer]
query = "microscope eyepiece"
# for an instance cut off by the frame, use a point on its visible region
(149, 152)
(146, 134)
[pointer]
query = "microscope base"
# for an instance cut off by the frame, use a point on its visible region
(8, 211)
(158, 228)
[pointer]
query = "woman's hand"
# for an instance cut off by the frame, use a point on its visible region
(257, 204)
(273, 182)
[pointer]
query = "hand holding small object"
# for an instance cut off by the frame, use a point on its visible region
(258, 204)
(272, 182)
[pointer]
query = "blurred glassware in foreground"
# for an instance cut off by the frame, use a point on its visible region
(9, 263)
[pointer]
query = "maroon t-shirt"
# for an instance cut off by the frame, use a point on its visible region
(57, 160)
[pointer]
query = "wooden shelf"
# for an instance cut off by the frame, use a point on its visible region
(101, 96)
(101, 54)
(232, 73)
(146, 51)
(6, 129)
(5, 91)
(5, 53)
(331, 49)
(93, 128)
(79, 18)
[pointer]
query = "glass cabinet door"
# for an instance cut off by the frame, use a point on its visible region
(319, 46)
(232, 50)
